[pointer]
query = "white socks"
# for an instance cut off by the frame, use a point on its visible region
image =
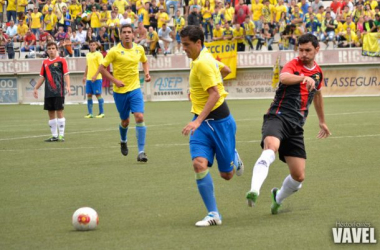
(289, 186)
(261, 169)
(61, 126)
(53, 127)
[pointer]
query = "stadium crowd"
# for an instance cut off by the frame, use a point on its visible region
(157, 23)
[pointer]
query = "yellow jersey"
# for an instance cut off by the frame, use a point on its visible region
(21, 30)
(179, 23)
(21, 8)
(125, 63)
(53, 20)
(239, 32)
(145, 15)
(113, 22)
(95, 20)
(105, 15)
(162, 18)
(11, 5)
(256, 11)
(351, 25)
(229, 13)
(36, 20)
(217, 33)
(120, 4)
(249, 28)
(94, 59)
(279, 9)
(204, 74)
(75, 9)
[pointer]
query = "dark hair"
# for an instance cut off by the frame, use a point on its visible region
(194, 33)
(92, 41)
(126, 26)
(306, 38)
(52, 44)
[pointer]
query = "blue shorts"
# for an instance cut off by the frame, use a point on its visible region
(215, 138)
(126, 103)
(94, 88)
(178, 37)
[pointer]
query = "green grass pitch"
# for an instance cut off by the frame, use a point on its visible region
(155, 205)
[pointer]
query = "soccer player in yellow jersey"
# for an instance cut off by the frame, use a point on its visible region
(93, 79)
(125, 58)
(212, 130)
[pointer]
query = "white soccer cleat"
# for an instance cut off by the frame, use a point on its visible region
(240, 166)
(212, 219)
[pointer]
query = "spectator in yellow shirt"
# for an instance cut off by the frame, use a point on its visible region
(238, 35)
(229, 13)
(152, 40)
(94, 16)
(75, 10)
(36, 23)
(162, 17)
(256, 10)
(11, 10)
(121, 5)
(350, 39)
(217, 32)
(21, 4)
(104, 16)
(50, 21)
(249, 28)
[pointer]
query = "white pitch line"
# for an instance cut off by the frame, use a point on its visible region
(170, 144)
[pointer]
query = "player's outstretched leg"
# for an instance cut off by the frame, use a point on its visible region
(238, 163)
(289, 187)
(123, 140)
(206, 190)
(101, 106)
(260, 173)
(140, 135)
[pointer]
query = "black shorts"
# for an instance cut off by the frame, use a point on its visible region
(289, 134)
(54, 103)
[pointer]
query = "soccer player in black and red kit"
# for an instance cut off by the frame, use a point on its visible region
(301, 80)
(56, 75)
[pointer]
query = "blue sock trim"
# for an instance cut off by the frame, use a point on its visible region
(101, 105)
(89, 105)
(140, 135)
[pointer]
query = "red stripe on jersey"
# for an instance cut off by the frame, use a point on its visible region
(304, 98)
(50, 78)
(282, 98)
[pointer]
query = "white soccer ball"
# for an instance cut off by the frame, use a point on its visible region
(85, 218)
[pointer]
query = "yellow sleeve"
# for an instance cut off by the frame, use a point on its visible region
(143, 57)
(206, 75)
(99, 58)
(110, 57)
(220, 65)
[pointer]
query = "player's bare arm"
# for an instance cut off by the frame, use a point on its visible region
(211, 101)
(67, 81)
(318, 105)
(291, 79)
(146, 71)
(38, 85)
(110, 77)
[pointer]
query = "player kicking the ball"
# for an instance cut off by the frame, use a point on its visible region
(55, 74)
(300, 82)
(212, 130)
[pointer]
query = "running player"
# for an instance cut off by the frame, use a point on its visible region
(212, 130)
(125, 58)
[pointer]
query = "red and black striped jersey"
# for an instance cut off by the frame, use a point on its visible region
(292, 101)
(53, 71)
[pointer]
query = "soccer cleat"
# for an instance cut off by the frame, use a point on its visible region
(275, 206)
(251, 198)
(142, 157)
(124, 148)
(212, 219)
(61, 138)
(100, 116)
(89, 116)
(240, 166)
(51, 139)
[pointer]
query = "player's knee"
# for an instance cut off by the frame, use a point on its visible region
(300, 177)
(139, 117)
(199, 165)
(227, 176)
(125, 123)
